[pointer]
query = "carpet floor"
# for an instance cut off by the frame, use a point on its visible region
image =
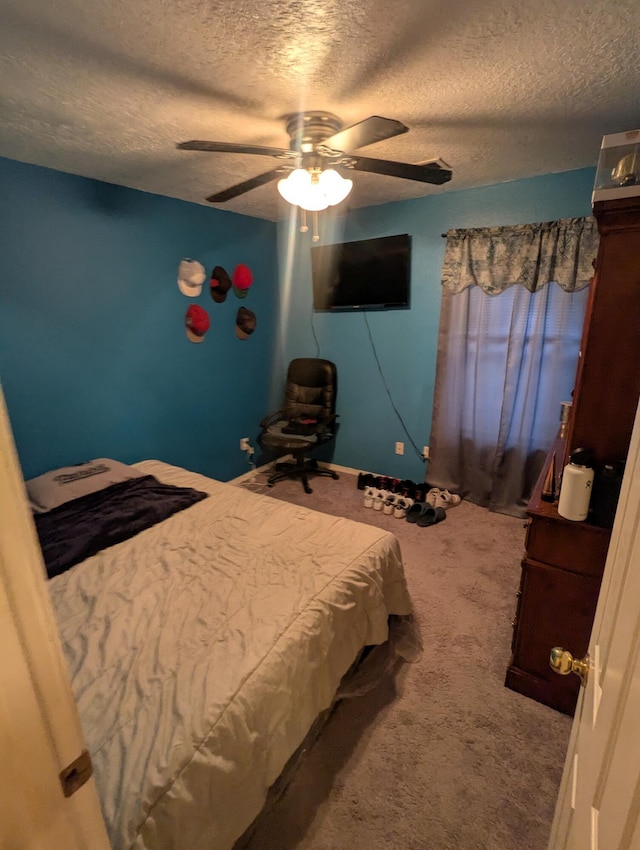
(440, 756)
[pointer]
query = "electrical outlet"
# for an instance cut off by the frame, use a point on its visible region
(244, 444)
(399, 448)
(425, 452)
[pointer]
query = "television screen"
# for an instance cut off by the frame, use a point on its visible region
(372, 273)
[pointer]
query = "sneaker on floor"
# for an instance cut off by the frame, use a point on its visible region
(368, 496)
(390, 503)
(379, 498)
(401, 507)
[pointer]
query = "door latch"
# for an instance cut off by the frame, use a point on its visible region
(76, 774)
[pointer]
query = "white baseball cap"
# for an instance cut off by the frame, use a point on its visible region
(191, 276)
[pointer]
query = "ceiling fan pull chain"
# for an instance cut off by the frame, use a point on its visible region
(303, 221)
(316, 235)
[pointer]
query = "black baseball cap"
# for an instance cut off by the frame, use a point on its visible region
(245, 323)
(219, 284)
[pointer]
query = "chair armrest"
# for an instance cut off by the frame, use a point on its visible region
(328, 426)
(330, 421)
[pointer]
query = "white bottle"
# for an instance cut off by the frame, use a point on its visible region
(577, 483)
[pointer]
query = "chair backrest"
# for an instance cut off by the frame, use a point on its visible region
(311, 389)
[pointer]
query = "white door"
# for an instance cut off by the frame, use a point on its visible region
(40, 732)
(598, 805)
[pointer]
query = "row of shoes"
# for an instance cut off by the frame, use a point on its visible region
(402, 506)
(387, 502)
(405, 487)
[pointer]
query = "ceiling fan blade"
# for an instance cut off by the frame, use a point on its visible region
(431, 172)
(230, 147)
(241, 188)
(373, 129)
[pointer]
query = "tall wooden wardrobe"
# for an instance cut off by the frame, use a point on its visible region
(564, 561)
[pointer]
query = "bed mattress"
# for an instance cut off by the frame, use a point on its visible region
(202, 650)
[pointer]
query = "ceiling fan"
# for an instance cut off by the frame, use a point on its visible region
(319, 150)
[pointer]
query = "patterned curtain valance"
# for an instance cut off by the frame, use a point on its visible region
(531, 255)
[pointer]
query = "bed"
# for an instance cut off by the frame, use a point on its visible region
(203, 648)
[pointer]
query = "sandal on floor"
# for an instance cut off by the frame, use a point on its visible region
(416, 510)
(432, 497)
(431, 516)
(445, 499)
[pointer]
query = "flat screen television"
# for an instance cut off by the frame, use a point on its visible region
(368, 274)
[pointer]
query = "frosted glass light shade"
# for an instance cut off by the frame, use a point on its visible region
(335, 187)
(293, 187)
(314, 192)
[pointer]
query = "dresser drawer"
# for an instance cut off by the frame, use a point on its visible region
(578, 547)
(556, 608)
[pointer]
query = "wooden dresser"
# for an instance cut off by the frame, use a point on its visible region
(564, 561)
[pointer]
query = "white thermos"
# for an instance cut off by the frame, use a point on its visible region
(577, 484)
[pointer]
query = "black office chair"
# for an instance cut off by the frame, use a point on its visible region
(306, 420)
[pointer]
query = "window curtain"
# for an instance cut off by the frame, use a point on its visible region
(513, 307)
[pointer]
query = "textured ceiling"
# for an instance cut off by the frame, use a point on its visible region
(499, 89)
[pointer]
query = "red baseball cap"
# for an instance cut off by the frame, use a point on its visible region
(196, 323)
(242, 280)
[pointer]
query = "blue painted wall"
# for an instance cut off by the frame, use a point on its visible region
(405, 340)
(93, 356)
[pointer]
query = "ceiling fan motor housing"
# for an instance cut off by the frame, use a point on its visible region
(309, 129)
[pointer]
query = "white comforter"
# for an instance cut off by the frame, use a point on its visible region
(202, 650)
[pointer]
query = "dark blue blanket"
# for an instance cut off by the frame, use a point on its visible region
(80, 528)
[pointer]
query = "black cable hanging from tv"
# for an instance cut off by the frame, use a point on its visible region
(395, 409)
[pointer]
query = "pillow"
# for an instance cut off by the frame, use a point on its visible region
(62, 485)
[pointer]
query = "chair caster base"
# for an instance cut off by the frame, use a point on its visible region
(299, 469)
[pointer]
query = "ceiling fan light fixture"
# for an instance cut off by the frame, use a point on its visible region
(302, 189)
(314, 191)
